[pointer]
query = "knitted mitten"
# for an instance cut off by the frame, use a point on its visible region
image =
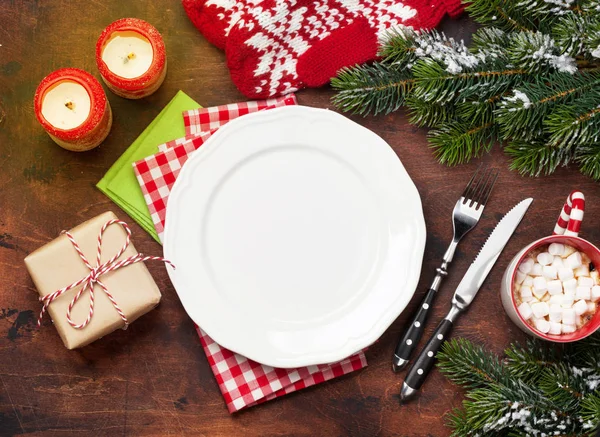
(280, 46)
(214, 18)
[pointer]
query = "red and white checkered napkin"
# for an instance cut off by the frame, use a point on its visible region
(242, 382)
(245, 383)
(206, 119)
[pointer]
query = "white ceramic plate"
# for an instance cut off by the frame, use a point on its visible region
(297, 235)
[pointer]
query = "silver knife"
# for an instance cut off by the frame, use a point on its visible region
(463, 296)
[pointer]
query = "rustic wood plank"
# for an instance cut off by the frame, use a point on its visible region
(153, 379)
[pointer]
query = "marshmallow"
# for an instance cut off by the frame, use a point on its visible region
(558, 263)
(550, 272)
(540, 309)
(557, 299)
(537, 270)
(574, 260)
(556, 249)
(591, 307)
(595, 277)
(596, 293)
(584, 270)
(542, 325)
(567, 299)
(555, 287)
(583, 293)
(565, 273)
(570, 285)
(545, 258)
(520, 277)
(585, 281)
(568, 316)
(528, 281)
(527, 265)
(545, 298)
(526, 294)
(525, 310)
(555, 313)
(555, 328)
(568, 251)
(568, 329)
(580, 307)
(539, 294)
(540, 284)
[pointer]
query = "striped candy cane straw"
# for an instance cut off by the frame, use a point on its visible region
(94, 276)
(569, 220)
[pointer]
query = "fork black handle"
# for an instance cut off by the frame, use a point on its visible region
(413, 333)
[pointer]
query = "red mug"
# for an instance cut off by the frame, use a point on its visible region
(566, 232)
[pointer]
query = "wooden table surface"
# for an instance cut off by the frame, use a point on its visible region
(153, 379)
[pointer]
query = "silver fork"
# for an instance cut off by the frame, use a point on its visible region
(466, 215)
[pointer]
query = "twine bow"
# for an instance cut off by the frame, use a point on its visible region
(94, 276)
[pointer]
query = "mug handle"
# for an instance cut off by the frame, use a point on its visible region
(571, 216)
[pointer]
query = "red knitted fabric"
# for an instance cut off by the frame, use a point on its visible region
(275, 47)
(214, 18)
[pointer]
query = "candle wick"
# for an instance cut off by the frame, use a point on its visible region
(70, 105)
(129, 57)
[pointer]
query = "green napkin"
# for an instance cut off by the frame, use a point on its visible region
(120, 183)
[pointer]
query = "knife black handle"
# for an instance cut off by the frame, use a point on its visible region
(413, 332)
(424, 363)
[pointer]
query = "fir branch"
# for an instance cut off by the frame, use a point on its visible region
(532, 71)
(538, 390)
(518, 407)
(590, 411)
(434, 84)
(588, 158)
(563, 386)
(478, 112)
(455, 145)
(491, 40)
(536, 157)
(522, 114)
(575, 123)
(528, 362)
(399, 47)
(371, 89)
(537, 52)
(427, 114)
(469, 365)
(570, 33)
(501, 14)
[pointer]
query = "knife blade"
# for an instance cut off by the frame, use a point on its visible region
(464, 295)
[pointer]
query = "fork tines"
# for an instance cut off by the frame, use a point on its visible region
(480, 186)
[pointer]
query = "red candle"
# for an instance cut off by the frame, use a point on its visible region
(131, 57)
(72, 106)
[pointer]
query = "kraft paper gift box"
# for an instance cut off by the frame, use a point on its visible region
(57, 265)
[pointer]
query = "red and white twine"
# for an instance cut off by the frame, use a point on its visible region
(571, 216)
(94, 276)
